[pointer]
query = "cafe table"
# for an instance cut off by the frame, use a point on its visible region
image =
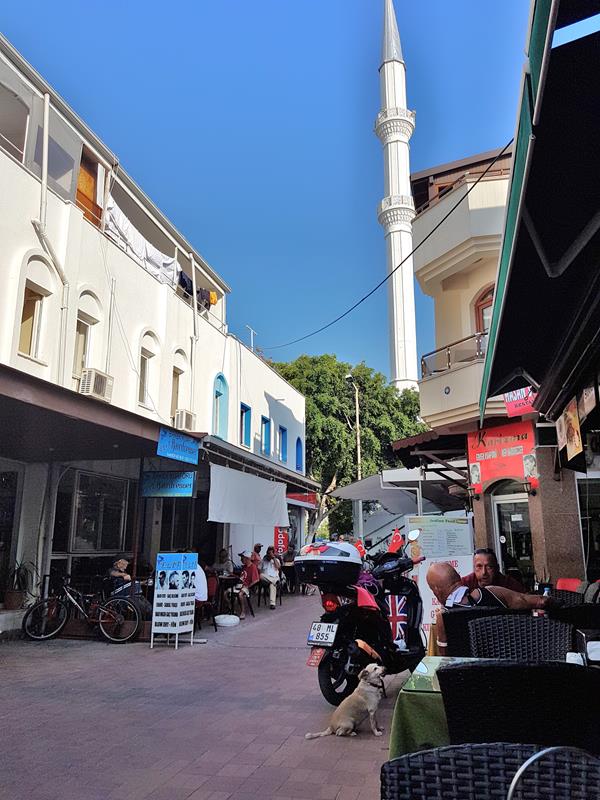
(226, 593)
(419, 719)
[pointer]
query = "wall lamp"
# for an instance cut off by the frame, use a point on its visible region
(473, 494)
(529, 489)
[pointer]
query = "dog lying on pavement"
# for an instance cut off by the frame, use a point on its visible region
(362, 703)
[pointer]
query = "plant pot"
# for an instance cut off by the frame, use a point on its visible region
(13, 599)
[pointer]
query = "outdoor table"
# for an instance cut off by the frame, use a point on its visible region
(432, 645)
(419, 719)
(226, 585)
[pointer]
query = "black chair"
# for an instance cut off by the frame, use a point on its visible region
(456, 624)
(520, 637)
(263, 591)
(485, 772)
(537, 703)
(586, 616)
(567, 598)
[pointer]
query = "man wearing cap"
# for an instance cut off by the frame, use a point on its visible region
(248, 577)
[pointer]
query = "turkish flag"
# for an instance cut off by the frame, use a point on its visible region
(396, 541)
(360, 547)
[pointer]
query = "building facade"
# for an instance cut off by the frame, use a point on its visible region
(112, 326)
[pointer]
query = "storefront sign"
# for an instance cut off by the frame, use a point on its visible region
(168, 484)
(520, 402)
(281, 541)
(174, 595)
(572, 431)
(177, 446)
(506, 451)
(440, 537)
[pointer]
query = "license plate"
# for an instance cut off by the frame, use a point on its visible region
(322, 634)
(316, 654)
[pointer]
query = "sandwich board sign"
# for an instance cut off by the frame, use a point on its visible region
(174, 596)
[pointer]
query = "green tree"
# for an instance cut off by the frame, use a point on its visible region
(385, 415)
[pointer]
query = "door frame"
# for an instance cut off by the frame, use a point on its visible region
(498, 500)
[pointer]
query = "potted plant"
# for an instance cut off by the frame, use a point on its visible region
(18, 582)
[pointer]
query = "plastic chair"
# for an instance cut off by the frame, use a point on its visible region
(571, 584)
(520, 637)
(263, 591)
(533, 703)
(485, 771)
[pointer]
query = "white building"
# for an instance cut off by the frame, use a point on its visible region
(101, 344)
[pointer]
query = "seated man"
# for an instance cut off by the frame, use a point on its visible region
(223, 565)
(446, 584)
(249, 577)
(269, 574)
(486, 572)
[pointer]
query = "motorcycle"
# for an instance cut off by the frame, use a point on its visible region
(356, 628)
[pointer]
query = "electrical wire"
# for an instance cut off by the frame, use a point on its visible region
(396, 268)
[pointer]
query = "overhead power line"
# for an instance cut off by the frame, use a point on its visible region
(389, 275)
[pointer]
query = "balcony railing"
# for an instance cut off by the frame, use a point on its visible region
(465, 351)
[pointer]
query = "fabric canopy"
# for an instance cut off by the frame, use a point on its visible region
(239, 497)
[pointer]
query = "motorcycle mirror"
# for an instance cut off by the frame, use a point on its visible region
(414, 535)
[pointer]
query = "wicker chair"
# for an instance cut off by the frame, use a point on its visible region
(538, 703)
(585, 616)
(456, 623)
(520, 638)
(485, 771)
(567, 598)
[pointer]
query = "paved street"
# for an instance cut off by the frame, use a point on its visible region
(220, 721)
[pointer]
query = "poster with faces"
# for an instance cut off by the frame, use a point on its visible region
(174, 594)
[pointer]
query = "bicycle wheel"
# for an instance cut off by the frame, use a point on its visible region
(45, 619)
(119, 620)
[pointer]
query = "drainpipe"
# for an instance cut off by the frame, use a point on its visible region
(195, 336)
(40, 229)
(111, 312)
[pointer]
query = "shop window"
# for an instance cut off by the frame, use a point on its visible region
(175, 531)
(245, 425)
(265, 436)
(483, 310)
(220, 407)
(282, 443)
(299, 455)
(99, 512)
(13, 123)
(31, 317)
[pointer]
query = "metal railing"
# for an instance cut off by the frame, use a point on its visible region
(464, 351)
(493, 174)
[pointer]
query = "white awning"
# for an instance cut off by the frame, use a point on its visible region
(239, 497)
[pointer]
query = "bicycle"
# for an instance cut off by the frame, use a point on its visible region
(118, 619)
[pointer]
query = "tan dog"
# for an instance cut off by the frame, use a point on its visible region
(362, 703)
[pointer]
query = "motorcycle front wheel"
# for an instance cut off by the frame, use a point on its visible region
(334, 683)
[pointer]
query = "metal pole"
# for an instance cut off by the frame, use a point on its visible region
(252, 335)
(358, 461)
(138, 518)
(44, 177)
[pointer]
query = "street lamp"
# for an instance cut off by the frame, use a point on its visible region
(351, 380)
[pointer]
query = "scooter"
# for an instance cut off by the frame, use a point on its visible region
(375, 619)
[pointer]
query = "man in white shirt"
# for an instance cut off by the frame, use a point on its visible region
(269, 574)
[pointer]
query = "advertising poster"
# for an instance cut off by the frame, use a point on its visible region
(519, 402)
(586, 403)
(561, 433)
(573, 433)
(174, 595)
(462, 564)
(506, 451)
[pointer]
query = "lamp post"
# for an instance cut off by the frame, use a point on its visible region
(350, 379)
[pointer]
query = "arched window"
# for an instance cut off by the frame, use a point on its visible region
(88, 315)
(148, 351)
(483, 310)
(299, 455)
(177, 388)
(220, 407)
(39, 287)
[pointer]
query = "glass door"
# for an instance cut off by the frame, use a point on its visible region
(513, 537)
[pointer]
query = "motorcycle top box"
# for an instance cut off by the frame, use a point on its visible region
(328, 562)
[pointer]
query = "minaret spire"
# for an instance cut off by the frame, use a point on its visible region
(392, 49)
(394, 127)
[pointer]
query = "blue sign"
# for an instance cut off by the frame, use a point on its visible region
(177, 561)
(177, 446)
(168, 484)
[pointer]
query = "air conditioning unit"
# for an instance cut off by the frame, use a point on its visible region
(184, 420)
(96, 384)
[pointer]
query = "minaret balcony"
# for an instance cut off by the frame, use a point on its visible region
(396, 211)
(394, 125)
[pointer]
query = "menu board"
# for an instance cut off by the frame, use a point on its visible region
(441, 537)
(174, 595)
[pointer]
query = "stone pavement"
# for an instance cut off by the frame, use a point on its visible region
(85, 720)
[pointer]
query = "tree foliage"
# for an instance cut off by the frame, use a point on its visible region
(385, 415)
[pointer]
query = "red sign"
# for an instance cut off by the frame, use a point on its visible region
(281, 540)
(306, 498)
(506, 451)
(520, 402)
(396, 541)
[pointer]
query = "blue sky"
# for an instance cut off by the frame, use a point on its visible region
(250, 124)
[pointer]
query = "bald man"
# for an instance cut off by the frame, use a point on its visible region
(446, 584)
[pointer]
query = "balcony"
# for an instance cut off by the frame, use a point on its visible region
(450, 385)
